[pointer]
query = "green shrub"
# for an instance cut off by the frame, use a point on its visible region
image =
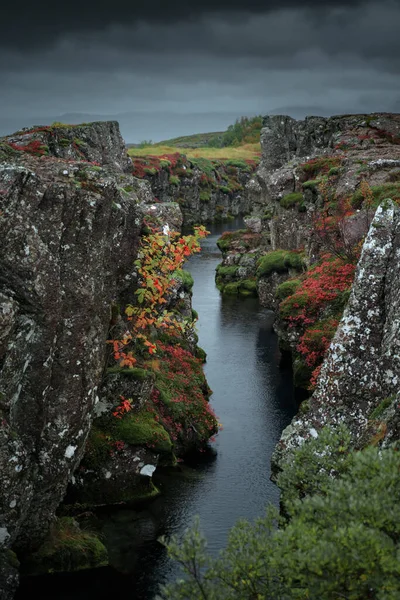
(174, 180)
(150, 170)
(312, 184)
(239, 164)
(205, 196)
(333, 171)
(287, 288)
(380, 193)
(341, 543)
(224, 189)
(290, 200)
(310, 469)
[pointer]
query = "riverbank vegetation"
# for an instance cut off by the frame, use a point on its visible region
(339, 536)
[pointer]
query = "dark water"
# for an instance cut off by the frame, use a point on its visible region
(253, 399)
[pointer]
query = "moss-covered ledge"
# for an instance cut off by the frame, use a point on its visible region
(66, 548)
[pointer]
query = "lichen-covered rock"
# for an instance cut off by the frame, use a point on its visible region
(99, 142)
(360, 147)
(113, 474)
(361, 371)
(66, 548)
(205, 190)
(69, 233)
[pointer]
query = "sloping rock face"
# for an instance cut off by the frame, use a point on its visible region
(359, 383)
(364, 147)
(206, 190)
(69, 233)
(198, 205)
(99, 142)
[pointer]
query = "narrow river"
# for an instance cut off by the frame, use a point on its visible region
(253, 399)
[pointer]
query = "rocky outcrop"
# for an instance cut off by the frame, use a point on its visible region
(70, 231)
(355, 148)
(98, 142)
(206, 190)
(360, 377)
(69, 235)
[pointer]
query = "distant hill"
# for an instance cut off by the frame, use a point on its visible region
(197, 140)
(245, 130)
(135, 126)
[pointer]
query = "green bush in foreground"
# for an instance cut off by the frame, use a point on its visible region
(342, 543)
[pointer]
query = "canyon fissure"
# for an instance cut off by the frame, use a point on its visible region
(321, 211)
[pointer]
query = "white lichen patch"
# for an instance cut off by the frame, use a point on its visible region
(147, 470)
(70, 451)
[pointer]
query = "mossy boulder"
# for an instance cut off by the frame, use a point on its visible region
(66, 549)
(186, 278)
(231, 289)
(287, 288)
(279, 261)
(143, 429)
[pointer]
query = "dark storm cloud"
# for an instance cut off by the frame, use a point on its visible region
(281, 39)
(38, 24)
(228, 58)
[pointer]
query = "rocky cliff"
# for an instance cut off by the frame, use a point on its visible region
(70, 221)
(315, 193)
(359, 383)
(297, 156)
(313, 200)
(206, 190)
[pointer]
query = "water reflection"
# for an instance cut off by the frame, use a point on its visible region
(254, 400)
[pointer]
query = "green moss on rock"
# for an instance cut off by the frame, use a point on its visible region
(186, 278)
(231, 289)
(66, 549)
(291, 200)
(226, 272)
(287, 288)
(279, 261)
(301, 373)
(142, 429)
(135, 373)
(201, 354)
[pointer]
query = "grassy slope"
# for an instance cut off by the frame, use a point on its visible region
(195, 140)
(247, 151)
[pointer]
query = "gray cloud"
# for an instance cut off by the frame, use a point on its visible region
(34, 24)
(341, 58)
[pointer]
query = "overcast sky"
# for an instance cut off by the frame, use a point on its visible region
(185, 66)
